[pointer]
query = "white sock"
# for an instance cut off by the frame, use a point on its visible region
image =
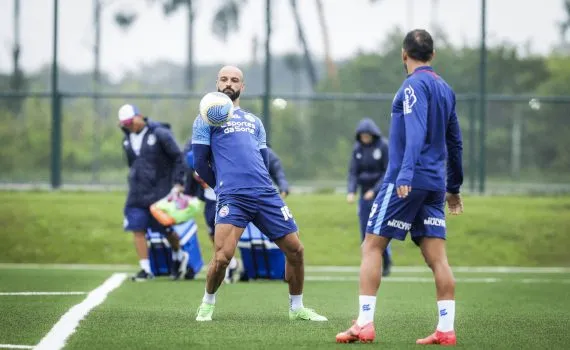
(209, 298)
(145, 265)
(366, 312)
(233, 263)
(177, 255)
(295, 302)
(446, 310)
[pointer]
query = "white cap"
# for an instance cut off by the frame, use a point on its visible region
(127, 112)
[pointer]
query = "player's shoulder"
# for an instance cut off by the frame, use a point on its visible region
(200, 123)
(246, 115)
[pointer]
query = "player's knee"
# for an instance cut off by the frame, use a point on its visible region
(222, 259)
(296, 254)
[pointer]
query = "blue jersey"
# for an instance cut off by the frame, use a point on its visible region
(425, 139)
(236, 157)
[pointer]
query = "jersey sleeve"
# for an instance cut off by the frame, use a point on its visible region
(200, 132)
(454, 143)
(261, 135)
(415, 108)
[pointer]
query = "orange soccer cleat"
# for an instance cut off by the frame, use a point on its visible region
(441, 338)
(364, 334)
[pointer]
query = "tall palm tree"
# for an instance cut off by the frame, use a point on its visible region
(565, 24)
(17, 81)
(169, 7)
(332, 71)
(294, 64)
(226, 19)
(311, 71)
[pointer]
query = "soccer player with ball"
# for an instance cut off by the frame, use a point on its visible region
(423, 173)
(230, 154)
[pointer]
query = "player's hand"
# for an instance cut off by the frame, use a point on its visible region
(454, 203)
(177, 189)
(369, 195)
(350, 198)
(283, 194)
(403, 191)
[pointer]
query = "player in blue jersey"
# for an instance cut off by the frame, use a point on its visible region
(424, 170)
(233, 160)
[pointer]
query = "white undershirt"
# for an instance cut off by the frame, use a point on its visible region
(136, 140)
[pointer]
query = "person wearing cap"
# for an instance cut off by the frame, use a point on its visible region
(156, 168)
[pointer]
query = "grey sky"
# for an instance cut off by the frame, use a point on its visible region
(354, 25)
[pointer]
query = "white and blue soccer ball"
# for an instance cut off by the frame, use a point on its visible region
(216, 108)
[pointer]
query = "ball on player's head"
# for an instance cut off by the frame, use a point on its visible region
(216, 108)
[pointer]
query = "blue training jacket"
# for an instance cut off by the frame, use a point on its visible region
(368, 163)
(154, 172)
(425, 139)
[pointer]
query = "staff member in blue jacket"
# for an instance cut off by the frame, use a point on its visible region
(156, 169)
(368, 165)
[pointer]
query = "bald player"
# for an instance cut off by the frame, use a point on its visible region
(233, 160)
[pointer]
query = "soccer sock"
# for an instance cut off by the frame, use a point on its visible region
(446, 310)
(367, 307)
(177, 255)
(295, 302)
(233, 263)
(209, 298)
(145, 265)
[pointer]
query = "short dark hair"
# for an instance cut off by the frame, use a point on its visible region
(418, 44)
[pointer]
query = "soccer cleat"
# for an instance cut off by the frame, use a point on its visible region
(204, 312)
(364, 334)
(142, 276)
(306, 314)
(441, 338)
(179, 268)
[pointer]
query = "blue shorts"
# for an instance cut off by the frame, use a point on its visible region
(421, 213)
(140, 219)
(263, 207)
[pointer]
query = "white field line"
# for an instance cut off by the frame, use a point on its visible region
(10, 346)
(430, 279)
(333, 269)
(60, 332)
(94, 267)
(40, 293)
(460, 269)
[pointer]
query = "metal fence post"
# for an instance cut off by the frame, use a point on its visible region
(55, 108)
(267, 73)
(483, 98)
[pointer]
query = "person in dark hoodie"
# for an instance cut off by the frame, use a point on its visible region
(156, 169)
(368, 164)
(197, 187)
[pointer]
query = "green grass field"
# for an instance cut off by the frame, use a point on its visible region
(519, 308)
(494, 311)
(64, 227)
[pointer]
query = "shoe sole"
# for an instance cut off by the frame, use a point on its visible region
(349, 341)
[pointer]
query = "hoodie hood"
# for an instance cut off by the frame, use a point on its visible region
(367, 125)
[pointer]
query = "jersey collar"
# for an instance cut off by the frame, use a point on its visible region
(422, 69)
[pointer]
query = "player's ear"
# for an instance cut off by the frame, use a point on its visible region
(432, 55)
(404, 56)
